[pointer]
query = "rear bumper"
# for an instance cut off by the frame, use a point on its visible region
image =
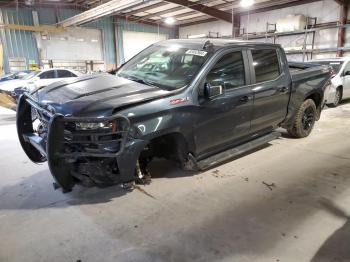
(64, 148)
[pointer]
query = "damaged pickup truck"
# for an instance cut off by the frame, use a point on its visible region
(198, 102)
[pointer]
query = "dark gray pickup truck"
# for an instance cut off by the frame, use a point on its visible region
(199, 102)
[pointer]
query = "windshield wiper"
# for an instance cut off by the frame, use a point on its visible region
(139, 80)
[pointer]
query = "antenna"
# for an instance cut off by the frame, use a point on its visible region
(207, 45)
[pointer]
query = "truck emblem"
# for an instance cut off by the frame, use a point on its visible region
(179, 100)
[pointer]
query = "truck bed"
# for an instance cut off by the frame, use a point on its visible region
(299, 71)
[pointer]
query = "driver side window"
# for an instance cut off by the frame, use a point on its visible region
(228, 71)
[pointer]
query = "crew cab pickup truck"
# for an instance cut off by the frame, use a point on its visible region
(199, 102)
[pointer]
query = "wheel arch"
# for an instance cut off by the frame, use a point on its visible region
(341, 88)
(316, 97)
(173, 145)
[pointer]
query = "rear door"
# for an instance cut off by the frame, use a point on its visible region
(271, 88)
(225, 118)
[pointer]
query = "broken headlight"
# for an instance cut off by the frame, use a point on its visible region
(89, 126)
(93, 126)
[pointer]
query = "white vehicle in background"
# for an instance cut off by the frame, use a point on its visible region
(37, 79)
(340, 87)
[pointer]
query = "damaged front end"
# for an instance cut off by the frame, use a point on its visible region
(90, 151)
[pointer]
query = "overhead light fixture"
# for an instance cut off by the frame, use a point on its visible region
(246, 3)
(169, 20)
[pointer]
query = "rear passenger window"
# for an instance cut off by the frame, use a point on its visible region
(266, 65)
(47, 75)
(228, 71)
(64, 73)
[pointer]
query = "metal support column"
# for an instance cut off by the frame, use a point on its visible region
(341, 31)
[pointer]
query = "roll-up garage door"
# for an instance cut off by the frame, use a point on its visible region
(73, 44)
(134, 42)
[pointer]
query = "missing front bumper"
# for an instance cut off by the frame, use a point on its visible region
(101, 156)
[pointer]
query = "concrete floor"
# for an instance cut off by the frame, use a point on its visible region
(224, 214)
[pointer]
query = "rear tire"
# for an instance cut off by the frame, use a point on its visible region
(304, 120)
(337, 99)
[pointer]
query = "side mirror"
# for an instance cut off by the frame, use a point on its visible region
(36, 78)
(346, 73)
(211, 91)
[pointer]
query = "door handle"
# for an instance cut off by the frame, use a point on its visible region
(244, 99)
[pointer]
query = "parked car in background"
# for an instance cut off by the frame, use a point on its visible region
(13, 76)
(340, 82)
(36, 79)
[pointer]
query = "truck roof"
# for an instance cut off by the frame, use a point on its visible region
(217, 42)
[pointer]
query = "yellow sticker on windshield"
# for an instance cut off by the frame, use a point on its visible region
(196, 52)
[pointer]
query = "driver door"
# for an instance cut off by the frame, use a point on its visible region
(225, 119)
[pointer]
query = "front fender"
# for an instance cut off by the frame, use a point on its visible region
(128, 159)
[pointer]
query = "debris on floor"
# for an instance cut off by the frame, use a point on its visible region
(143, 191)
(270, 186)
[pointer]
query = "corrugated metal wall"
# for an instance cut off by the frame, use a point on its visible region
(17, 43)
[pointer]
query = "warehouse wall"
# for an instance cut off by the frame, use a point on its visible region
(221, 27)
(19, 43)
(325, 11)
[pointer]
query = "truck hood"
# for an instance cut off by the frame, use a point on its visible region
(95, 95)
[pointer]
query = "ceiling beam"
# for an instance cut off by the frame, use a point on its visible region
(257, 8)
(171, 10)
(161, 13)
(4, 4)
(135, 20)
(210, 11)
(197, 22)
(146, 8)
(273, 5)
(40, 28)
(109, 8)
(220, 6)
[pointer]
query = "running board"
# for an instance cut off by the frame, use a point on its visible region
(236, 151)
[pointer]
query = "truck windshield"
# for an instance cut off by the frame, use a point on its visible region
(167, 67)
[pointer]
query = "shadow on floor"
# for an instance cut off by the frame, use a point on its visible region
(345, 101)
(37, 191)
(337, 246)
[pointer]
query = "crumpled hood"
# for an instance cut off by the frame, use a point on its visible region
(10, 85)
(95, 95)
